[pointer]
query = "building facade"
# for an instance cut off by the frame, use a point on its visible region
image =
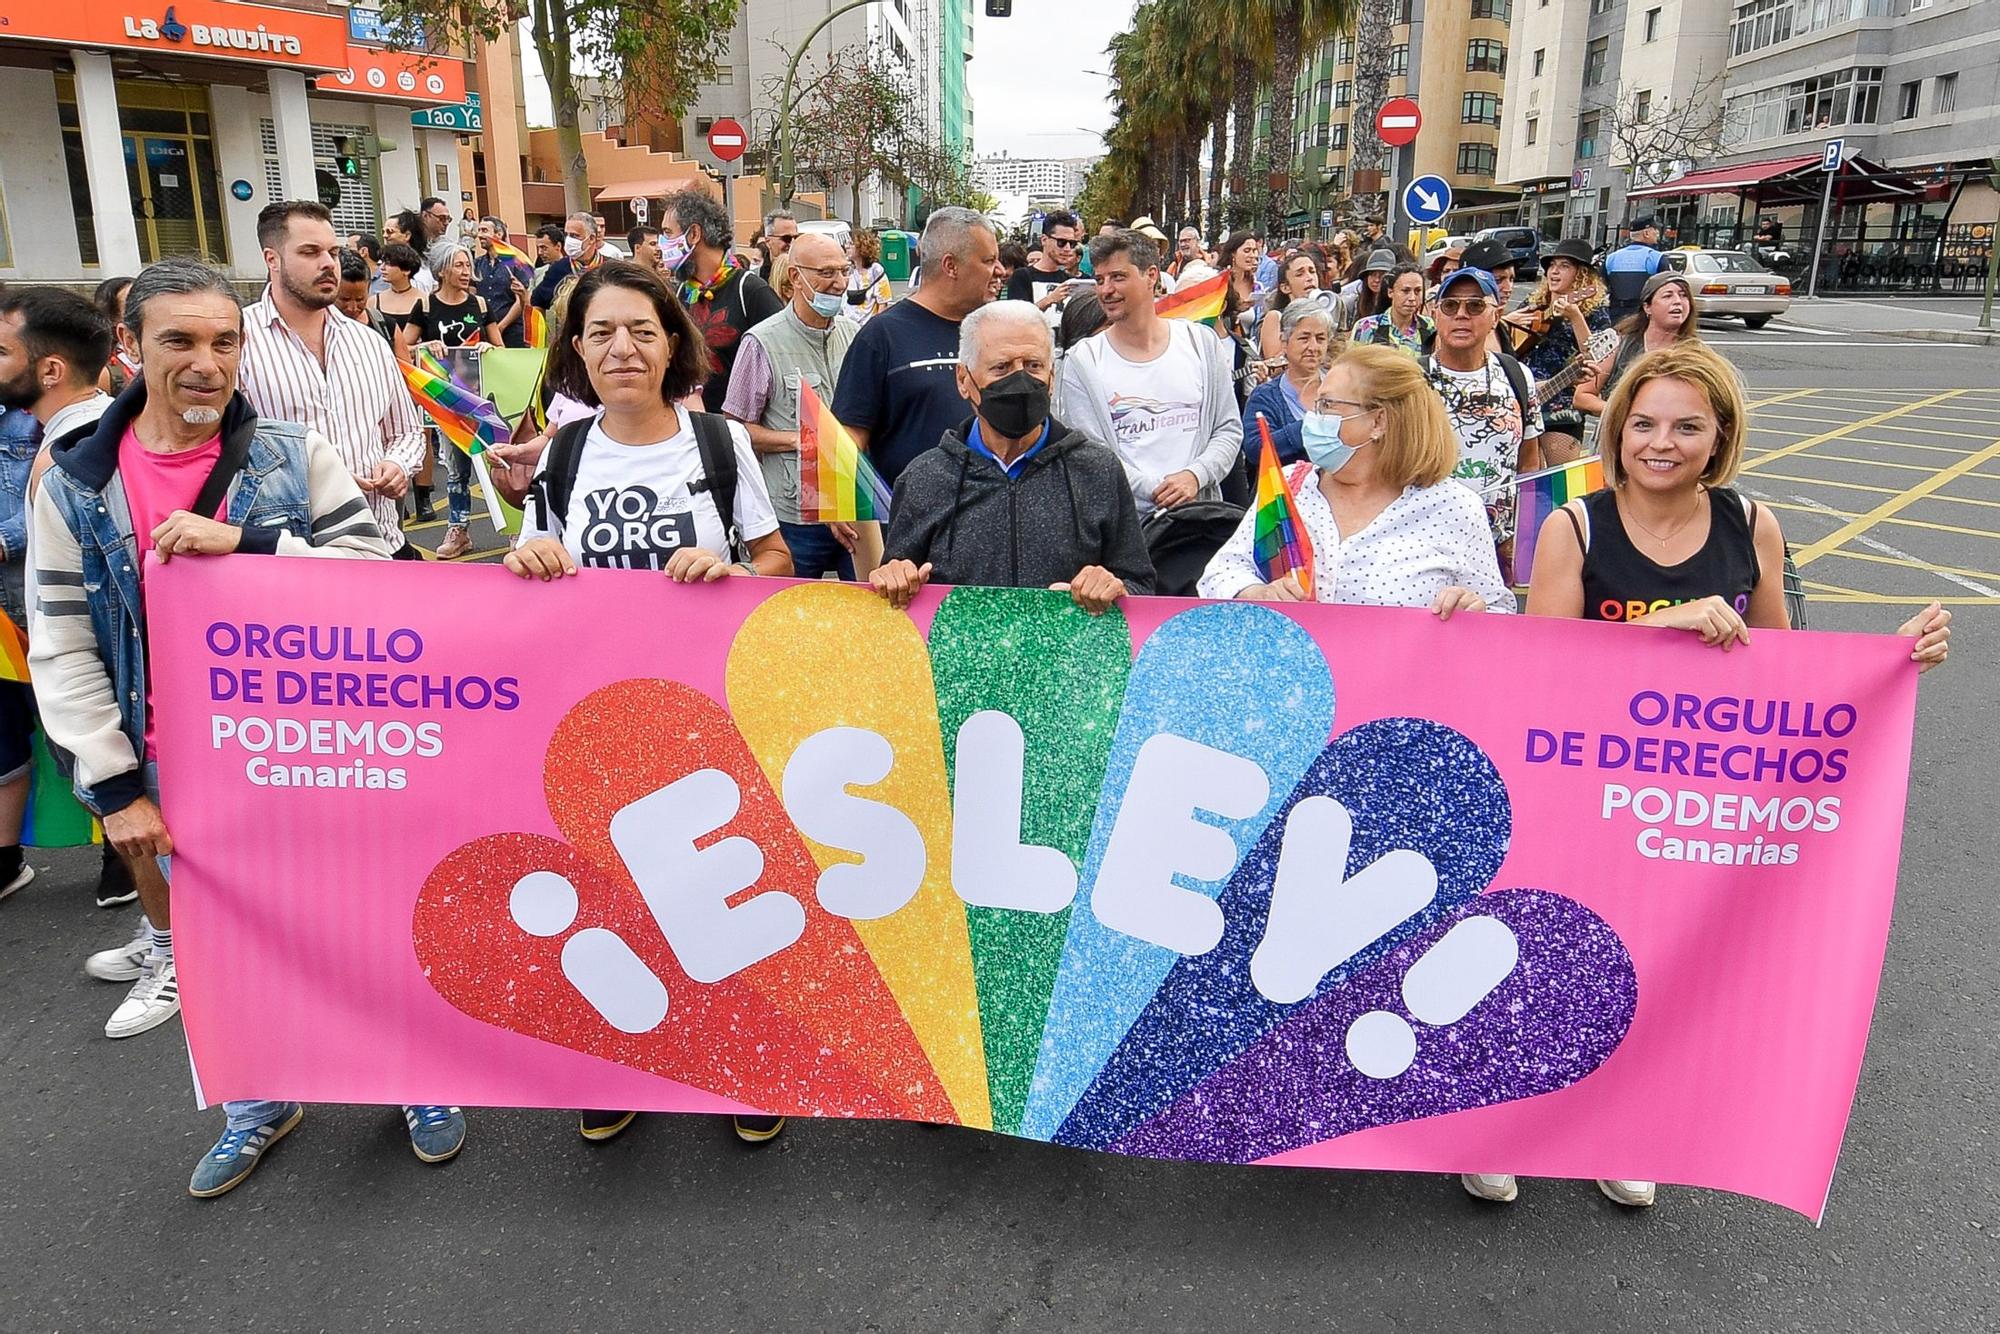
(129, 134)
(931, 40)
(1040, 178)
(1608, 96)
(1452, 57)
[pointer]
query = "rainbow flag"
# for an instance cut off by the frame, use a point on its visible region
(1201, 303)
(506, 250)
(466, 419)
(538, 326)
(1282, 544)
(13, 650)
(837, 483)
(54, 817)
(1542, 494)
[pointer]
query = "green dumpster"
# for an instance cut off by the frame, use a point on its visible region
(896, 248)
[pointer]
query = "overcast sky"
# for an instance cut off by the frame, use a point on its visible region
(1030, 95)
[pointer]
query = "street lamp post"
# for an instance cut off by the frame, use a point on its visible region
(1992, 257)
(785, 187)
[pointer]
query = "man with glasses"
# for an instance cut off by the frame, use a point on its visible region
(436, 215)
(1487, 396)
(1051, 274)
(781, 229)
(805, 343)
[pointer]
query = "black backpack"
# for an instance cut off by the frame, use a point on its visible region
(1183, 539)
(552, 487)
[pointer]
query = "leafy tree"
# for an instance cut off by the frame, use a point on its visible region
(653, 54)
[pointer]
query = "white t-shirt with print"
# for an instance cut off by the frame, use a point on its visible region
(630, 508)
(1156, 405)
(1486, 417)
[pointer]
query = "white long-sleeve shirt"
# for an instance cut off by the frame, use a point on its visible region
(1430, 538)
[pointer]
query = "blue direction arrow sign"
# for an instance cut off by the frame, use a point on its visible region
(1427, 198)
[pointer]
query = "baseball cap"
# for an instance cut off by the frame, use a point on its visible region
(1486, 281)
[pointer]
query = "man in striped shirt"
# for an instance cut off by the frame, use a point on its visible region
(305, 362)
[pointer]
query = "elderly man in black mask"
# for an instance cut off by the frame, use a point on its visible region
(1013, 498)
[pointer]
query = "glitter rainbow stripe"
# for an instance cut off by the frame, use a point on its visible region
(1040, 1021)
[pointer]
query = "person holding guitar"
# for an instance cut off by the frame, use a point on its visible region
(1667, 315)
(1559, 320)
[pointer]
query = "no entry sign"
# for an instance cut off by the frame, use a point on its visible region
(1398, 121)
(727, 140)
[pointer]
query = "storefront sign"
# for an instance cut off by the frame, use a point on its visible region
(404, 76)
(1213, 882)
(210, 29)
(465, 118)
(366, 24)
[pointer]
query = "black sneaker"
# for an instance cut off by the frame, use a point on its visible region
(600, 1126)
(114, 881)
(758, 1129)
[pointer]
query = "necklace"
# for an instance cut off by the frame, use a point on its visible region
(1667, 537)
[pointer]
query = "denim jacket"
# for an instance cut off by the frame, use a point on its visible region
(20, 437)
(291, 495)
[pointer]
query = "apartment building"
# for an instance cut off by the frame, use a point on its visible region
(1452, 57)
(1608, 96)
(1038, 178)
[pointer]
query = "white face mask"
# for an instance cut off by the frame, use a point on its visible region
(572, 246)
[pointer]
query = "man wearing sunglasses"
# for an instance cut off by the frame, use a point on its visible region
(1051, 274)
(1487, 396)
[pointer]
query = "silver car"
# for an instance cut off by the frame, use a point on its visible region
(1729, 282)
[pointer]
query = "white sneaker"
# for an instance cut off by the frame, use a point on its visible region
(124, 963)
(154, 999)
(1500, 1188)
(1631, 1194)
(22, 878)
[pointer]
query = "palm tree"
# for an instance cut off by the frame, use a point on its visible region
(1295, 26)
(1371, 89)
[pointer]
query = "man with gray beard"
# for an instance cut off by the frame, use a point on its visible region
(179, 465)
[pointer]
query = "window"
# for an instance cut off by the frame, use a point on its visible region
(1944, 95)
(1652, 29)
(1534, 127)
(1907, 99)
(1824, 102)
(1642, 107)
(1323, 92)
(1480, 109)
(1493, 9)
(1483, 55)
(1595, 57)
(1336, 136)
(1541, 55)
(1402, 14)
(1477, 159)
(1601, 6)
(1343, 93)
(703, 124)
(1344, 54)
(1588, 128)
(1399, 59)
(1336, 179)
(1761, 23)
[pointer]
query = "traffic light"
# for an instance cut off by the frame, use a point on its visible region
(344, 159)
(999, 9)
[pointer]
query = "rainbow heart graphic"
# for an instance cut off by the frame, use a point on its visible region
(1335, 957)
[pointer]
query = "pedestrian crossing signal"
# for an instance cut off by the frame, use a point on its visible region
(999, 9)
(344, 159)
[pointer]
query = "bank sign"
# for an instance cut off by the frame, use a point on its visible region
(212, 29)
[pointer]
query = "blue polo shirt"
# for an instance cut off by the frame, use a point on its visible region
(977, 443)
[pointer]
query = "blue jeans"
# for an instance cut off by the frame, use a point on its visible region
(814, 551)
(457, 486)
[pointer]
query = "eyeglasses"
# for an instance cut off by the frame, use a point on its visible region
(841, 271)
(1346, 403)
(1470, 305)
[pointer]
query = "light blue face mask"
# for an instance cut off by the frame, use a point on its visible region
(826, 305)
(1321, 433)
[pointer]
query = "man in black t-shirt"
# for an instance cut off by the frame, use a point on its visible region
(1046, 278)
(725, 298)
(898, 391)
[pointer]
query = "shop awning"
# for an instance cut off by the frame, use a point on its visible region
(649, 189)
(1790, 180)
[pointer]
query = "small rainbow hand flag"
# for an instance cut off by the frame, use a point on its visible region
(538, 326)
(13, 650)
(506, 250)
(1201, 303)
(466, 419)
(1282, 545)
(837, 483)
(1542, 494)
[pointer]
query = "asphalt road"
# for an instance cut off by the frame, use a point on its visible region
(842, 1226)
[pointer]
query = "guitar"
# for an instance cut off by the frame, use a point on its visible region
(1602, 344)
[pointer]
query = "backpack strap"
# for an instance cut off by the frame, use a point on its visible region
(718, 475)
(552, 486)
(1524, 394)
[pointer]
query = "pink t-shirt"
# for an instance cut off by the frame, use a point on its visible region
(156, 485)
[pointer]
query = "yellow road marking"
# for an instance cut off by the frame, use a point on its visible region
(1928, 430)
(1860, 424)
(1890, 507)
(1862, 486)
(1921, 566)
(1828, 512)
(1899, 467)
(1782, 398)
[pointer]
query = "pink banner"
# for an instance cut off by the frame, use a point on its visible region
(1316, 886)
